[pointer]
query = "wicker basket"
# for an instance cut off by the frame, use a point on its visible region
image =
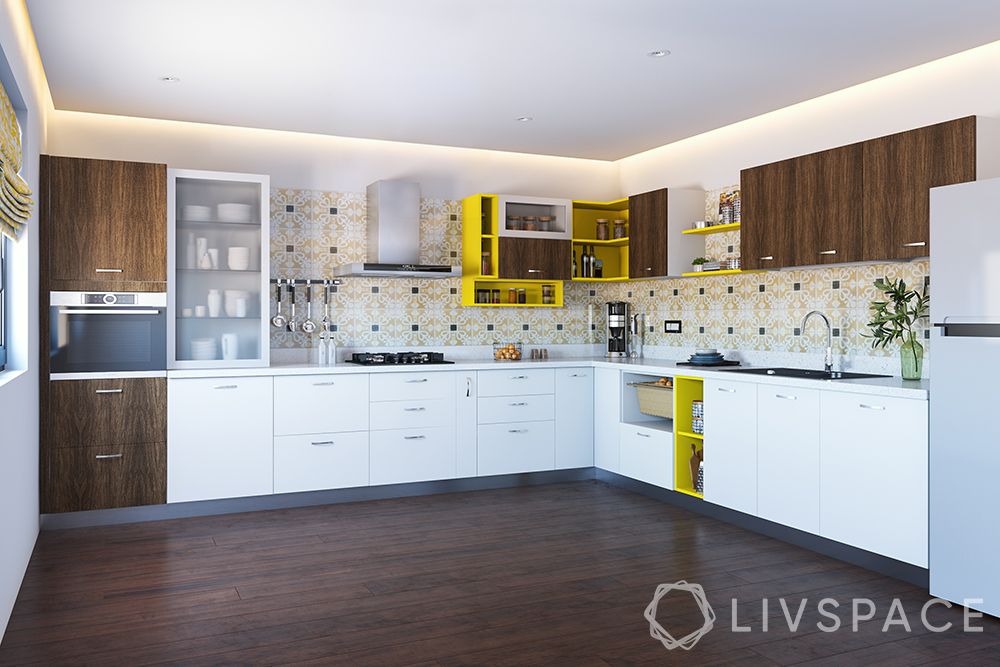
(655, 400)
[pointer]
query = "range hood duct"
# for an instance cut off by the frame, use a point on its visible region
(394, 235)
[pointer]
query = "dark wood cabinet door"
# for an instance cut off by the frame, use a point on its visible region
(106, 220)
(87, 413)
(92, 478)
(535, 259)
(647, 245)
(827, 213)
(767, 198)
(899, 171)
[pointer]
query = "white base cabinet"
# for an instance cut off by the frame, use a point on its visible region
(873, 474)
(320, 461)
(516, 447)
(731, 444)
(320, 404)
(574, 423)
(647, 454)
(412, 455)
(787, 456)
(220, 438)
(607, 418)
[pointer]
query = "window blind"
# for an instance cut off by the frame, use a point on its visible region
(15, 195)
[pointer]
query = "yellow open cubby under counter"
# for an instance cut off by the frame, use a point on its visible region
(612, 252)
(687, 390)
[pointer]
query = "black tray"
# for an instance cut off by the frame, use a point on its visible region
(724, 362)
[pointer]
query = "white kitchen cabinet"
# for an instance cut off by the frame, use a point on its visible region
(320, 461)
(514, 448)
(320, 404)
(607, 418)
(516, 381)
(219, 434)
(513, 409)
(412, 455)
(647, 454)
(574, 421)
(413, 414)
(731, 444)
(787, 456)
(873, 474)
(411, 385)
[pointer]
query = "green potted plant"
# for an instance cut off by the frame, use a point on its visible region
(894, 319)
(698, 263)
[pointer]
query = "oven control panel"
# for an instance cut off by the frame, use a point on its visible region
(108, 299)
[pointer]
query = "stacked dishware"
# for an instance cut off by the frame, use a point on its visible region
(204, 349)
(196, 213)
(233, 212)
(706, 357)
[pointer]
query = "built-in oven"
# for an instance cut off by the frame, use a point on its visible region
(107, 332)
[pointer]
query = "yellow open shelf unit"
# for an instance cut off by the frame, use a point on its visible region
(724, 272)
(613, 253)
(686, 391)
(714, 229)
(480, 233)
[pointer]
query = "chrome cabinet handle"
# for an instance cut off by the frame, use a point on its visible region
(728, 391)
(766, 258)
(518, 377)
(324, 384)
(649, 268)
(108, 391)
(416, 381)
(414, 409)
(517, 430)
(517, 405)
(534, 270)
(915, 244)
(101, 457)
(579, 375)
(828, 252)
(643, 435)
(107, 271)
(865, 406)
(786, 397)
(322, 443)
(227, 386)
(468, 387)
(414, 437)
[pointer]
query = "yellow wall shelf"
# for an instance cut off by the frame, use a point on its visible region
(726, 272)
(616, 279)
(613, 243)
(714, 229)
(613, 253)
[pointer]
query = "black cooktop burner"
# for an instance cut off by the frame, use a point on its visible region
(397, 358)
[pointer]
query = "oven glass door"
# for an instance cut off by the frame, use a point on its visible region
(102, 339)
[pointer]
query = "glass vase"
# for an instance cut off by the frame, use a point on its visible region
(911, 359)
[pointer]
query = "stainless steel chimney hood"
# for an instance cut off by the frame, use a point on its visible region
(394, 236)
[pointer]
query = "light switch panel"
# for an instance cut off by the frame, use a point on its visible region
(671, 326)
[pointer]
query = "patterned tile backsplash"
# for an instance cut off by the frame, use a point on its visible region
(314, 231)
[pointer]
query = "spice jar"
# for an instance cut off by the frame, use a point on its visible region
(530, 223)
(496, 296)
(511, 295)
(487, 266)
(522, 295)
(545, 222)
(602, 229)
(548, 294)
(514, 222)
(619, 231)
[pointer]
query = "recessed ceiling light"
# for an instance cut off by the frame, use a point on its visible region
(659, 53)
(170, 79)
(524, 119)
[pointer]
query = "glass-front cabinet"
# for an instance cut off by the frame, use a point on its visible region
(218, 269)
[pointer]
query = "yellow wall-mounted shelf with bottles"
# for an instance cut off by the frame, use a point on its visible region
(611, 252)
(481, 250)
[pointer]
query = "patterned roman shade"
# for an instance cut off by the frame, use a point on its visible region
(15, 195)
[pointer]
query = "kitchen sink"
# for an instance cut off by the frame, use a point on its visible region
(805, 373)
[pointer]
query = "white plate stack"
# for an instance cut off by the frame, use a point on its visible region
(196, 212)
(233, 212)
(204, 349)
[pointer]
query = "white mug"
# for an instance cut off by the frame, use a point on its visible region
(186, 312)
(238, 258)
(200, 311)
(230, 346)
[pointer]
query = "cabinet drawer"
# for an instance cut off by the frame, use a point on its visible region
(506, 409)
(512, 448)
(320, 404)
(320, 461)
(412, 455)
(647, 454)
(390, 415)
(85, 413)
(410, 386)
(95, 478)
(516, 381)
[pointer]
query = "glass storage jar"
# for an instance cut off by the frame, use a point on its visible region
(602, 229)
(530, 223)
(545, 223)
(620, 232)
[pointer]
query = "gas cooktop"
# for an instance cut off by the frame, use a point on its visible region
(397, 358)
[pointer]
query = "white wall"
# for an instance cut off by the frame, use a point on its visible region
(19, 386)
(295, 159)
(941, 90)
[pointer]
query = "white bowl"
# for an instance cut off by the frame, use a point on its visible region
(234, 212)
(231, 301)
(238, 258)
(707, 350)
(196, 212)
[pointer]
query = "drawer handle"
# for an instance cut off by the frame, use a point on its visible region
(468, 387)
(865, 406)
(828, 252)
(518, 430)
(228, 386)
(102, 457)
(518, 377)
(324, 384)
(643, 435)
(322, 443)
(579, 375)
(517, 405)
(414, 409)
(416, 381)
(766, 258)
(916, 244)
(107, 270)
(414, 437)
(786, 397)
(534, 270)
(108, 391)
(728, 391)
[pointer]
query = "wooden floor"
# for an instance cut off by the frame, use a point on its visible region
(553, 575)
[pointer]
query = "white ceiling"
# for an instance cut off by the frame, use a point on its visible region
(459, 72)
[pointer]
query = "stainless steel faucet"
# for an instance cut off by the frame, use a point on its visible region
(828, 359)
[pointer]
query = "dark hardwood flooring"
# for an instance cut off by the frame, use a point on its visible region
(554, 575)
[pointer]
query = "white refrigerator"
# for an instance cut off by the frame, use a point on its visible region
(964, 401)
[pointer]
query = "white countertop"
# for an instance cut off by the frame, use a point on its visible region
(886, 386)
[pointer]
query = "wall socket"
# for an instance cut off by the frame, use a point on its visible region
(671, 326)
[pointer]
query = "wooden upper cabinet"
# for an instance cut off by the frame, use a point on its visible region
(899, 171)
(826, 218)
(647, 246)
(106, 222)
(534, 259)
(767, 200)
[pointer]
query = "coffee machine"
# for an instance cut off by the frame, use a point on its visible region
(617, 329)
